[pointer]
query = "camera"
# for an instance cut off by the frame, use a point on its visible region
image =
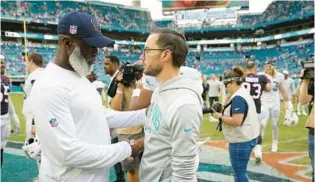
(308, 67)
(131, 73)
(216, 107)
(308, 74)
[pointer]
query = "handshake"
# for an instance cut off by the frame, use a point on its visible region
(136, 147)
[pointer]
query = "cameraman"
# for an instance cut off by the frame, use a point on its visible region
(306, 96)
(120, 102)
(111, 66)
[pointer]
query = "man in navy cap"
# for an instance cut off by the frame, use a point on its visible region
(79, 37)
(72, 124)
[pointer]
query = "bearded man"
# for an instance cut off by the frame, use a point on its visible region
(73, 125)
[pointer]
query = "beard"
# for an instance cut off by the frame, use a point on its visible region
(79, 63)
(150, 71)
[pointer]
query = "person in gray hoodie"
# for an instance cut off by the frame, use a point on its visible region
(175, 113)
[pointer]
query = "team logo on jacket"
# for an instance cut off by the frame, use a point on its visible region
(53, 122)
(155, 115)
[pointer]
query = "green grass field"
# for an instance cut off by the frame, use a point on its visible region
(291, 139)
(304, 160)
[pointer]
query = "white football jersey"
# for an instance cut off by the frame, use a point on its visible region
(150, 82)
(30, 80)
(274, 94)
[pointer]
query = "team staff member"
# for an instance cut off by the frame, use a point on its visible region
(34, 68)
(239, 122)
(74, 125)
(175, 114)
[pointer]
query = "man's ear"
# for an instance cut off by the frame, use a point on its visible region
(67, 42)
(167, 54)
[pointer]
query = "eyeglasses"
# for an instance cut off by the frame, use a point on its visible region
(146, 50)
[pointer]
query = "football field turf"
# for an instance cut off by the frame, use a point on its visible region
(291, 139)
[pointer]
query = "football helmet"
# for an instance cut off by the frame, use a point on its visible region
(290, 118)
(32, 148)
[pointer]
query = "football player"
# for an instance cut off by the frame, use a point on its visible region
(256, 84)
(7, 111)
(271, 102)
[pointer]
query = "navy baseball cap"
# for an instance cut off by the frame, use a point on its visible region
(85, 27)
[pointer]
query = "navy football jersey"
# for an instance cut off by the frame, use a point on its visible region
(256, 84)
(4, 97)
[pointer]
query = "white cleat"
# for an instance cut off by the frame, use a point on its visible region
(258, 158)
(304, 113)
(299, 113)
(258, 154)
(274, 147)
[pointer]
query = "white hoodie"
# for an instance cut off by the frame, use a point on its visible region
(172, 131)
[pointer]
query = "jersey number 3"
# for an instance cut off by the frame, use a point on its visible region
(256, 87)
(4, 96)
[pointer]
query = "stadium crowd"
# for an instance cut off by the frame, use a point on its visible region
(119, 17)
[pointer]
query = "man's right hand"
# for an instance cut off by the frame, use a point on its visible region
(134, 150)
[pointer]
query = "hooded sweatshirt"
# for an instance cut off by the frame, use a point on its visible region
(172, 131)
(150, 82)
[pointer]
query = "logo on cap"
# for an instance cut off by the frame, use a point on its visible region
(73, 29)
(96, 25)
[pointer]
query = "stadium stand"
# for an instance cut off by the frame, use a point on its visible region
(211, 62)
(279, 10)
(208, 62)
(114, 16)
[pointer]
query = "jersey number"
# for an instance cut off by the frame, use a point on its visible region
(275, 86)
(256, 87)
(5, 95)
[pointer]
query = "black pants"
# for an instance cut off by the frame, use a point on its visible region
(212, 99)
(120, 176)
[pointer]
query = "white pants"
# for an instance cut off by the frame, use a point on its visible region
(28, 118)
(270, 109)
(5, 129)
(28, 124)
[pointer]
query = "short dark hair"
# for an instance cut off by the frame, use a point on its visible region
(113, 59)
(175, 42)
(36, 58)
